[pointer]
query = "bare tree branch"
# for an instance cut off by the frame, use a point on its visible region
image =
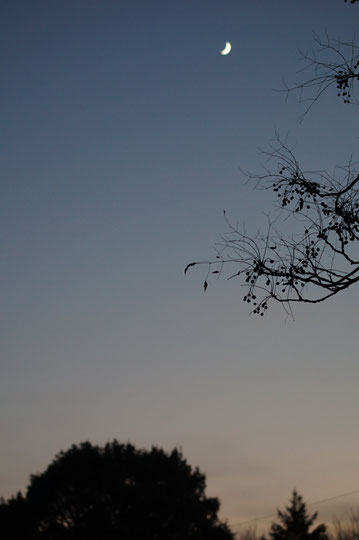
(333, 63)
(320, 259)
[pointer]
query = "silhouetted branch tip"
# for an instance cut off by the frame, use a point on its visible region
(335, 63)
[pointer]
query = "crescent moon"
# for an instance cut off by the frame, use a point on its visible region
(227, 48)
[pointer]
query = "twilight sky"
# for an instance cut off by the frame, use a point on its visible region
(123, 132)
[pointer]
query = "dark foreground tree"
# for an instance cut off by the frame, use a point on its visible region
(294, 523)
(115, 492)
(321, 257)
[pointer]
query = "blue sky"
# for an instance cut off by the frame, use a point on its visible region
(123, 134)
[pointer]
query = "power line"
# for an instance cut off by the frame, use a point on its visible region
(309, 504)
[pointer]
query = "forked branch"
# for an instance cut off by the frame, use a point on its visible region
(320, 258)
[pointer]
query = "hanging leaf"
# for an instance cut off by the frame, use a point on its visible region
(188, 266)
(205, 285)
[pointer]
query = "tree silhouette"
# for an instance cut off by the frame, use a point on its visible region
(114, 492)
(295, 523)
(320, 258)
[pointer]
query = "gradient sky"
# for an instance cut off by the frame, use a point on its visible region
(123, 133)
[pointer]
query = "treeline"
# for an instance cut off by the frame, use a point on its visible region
(119, 492)
(115, 492)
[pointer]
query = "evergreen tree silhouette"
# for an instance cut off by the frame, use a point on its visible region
(295, 523)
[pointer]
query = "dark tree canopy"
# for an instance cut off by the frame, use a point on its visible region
(114, 492)
(294, 523)
(319, 258)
